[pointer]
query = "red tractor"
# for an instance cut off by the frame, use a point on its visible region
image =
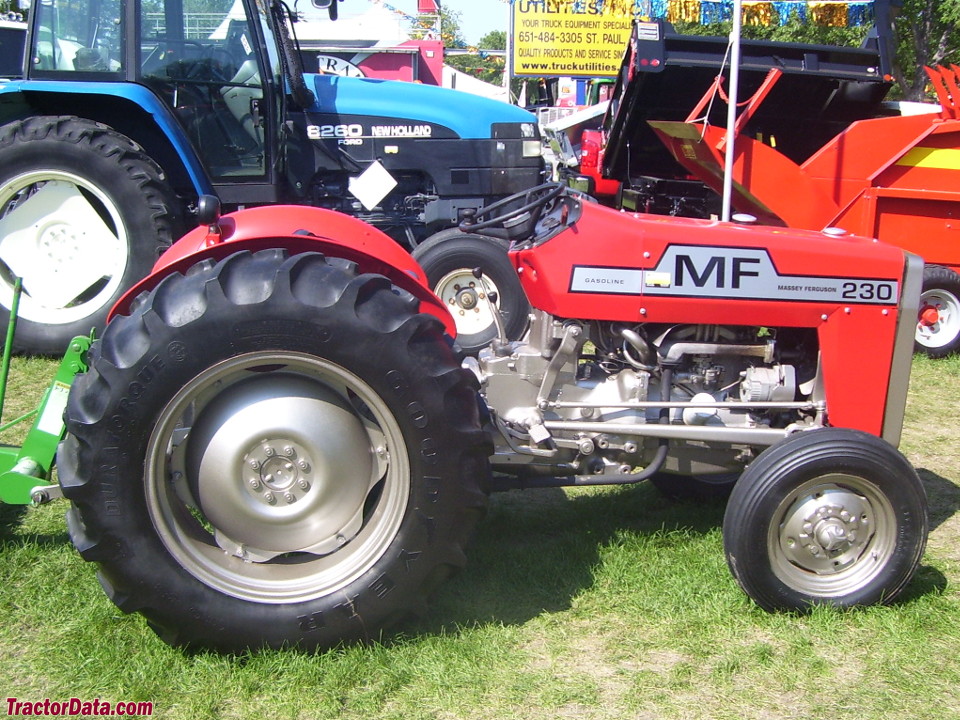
(278, 441)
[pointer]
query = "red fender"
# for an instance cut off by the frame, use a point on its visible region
(296, 229)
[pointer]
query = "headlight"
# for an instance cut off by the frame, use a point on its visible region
(532, 148)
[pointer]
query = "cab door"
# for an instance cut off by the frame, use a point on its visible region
(210, 66)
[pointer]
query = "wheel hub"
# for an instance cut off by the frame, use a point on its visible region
(45, 220)
(59, 244)
(826, 532)
(467, 297)
(280, 465)
(278, 472)
(929, 316)
(938, 322)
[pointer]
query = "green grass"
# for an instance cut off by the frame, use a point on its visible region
(608, 603)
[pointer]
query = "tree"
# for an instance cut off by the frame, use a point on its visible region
(450, 32)
(481, 65)
(494, 40)
(794, 30)
(927, 34)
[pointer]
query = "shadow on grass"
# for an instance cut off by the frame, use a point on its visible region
(12, 518)
(943, 497)
(536, 550)
(927, 581)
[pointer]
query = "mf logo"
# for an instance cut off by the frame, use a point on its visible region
(722, 272)
(719, 271)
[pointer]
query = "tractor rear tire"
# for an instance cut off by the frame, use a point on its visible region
(273, 451)
(938, 324)
(84, 214)
(449, 258)
(825, 517)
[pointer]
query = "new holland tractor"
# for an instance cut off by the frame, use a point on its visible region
(127, 112)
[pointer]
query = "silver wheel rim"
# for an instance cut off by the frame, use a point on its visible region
(254, 495)
(832, 536)
(466, 298)
(66, 239)
(939, 320)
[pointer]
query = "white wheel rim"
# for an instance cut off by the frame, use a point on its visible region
(938, 324)
(466, 298)
(54, 236)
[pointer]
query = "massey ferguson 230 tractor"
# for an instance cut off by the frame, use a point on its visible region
(278, 442)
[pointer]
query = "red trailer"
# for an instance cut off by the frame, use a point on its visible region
(896, 179)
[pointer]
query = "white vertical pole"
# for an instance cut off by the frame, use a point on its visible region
(508, 60)
(731, 110)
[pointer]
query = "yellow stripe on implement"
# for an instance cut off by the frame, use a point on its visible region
(937, 158)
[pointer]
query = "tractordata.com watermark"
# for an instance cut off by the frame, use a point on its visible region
(75, 707)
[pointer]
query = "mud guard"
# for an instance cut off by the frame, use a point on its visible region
(297, 229)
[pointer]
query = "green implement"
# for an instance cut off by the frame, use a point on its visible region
(25, 472)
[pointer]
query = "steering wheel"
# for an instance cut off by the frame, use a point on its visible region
(210, 66)
(534, 201)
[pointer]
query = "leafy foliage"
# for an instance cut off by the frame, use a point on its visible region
(794, 31)
(481, 64)
(928, 33)
(12, 6)
(450, 32)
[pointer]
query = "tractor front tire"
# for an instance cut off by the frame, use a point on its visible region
(273, 451)
(825, 517)
(449, 258)
(84, 214)
(938, 323)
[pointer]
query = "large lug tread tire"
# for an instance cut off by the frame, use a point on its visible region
(938, 325)
(105, 213)
(448, 257)
(826, 517)
(223, 337)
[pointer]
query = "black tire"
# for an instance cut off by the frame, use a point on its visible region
(826, 517)
(252, 360)
(448, 258)
(104, 211)
(938, 324)
(694, 488)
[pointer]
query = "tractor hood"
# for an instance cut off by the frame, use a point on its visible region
(664, 74)
(467, 116)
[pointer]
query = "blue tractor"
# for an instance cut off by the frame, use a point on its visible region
(129, 111)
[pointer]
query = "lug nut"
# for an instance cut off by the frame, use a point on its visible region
(268, 496)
